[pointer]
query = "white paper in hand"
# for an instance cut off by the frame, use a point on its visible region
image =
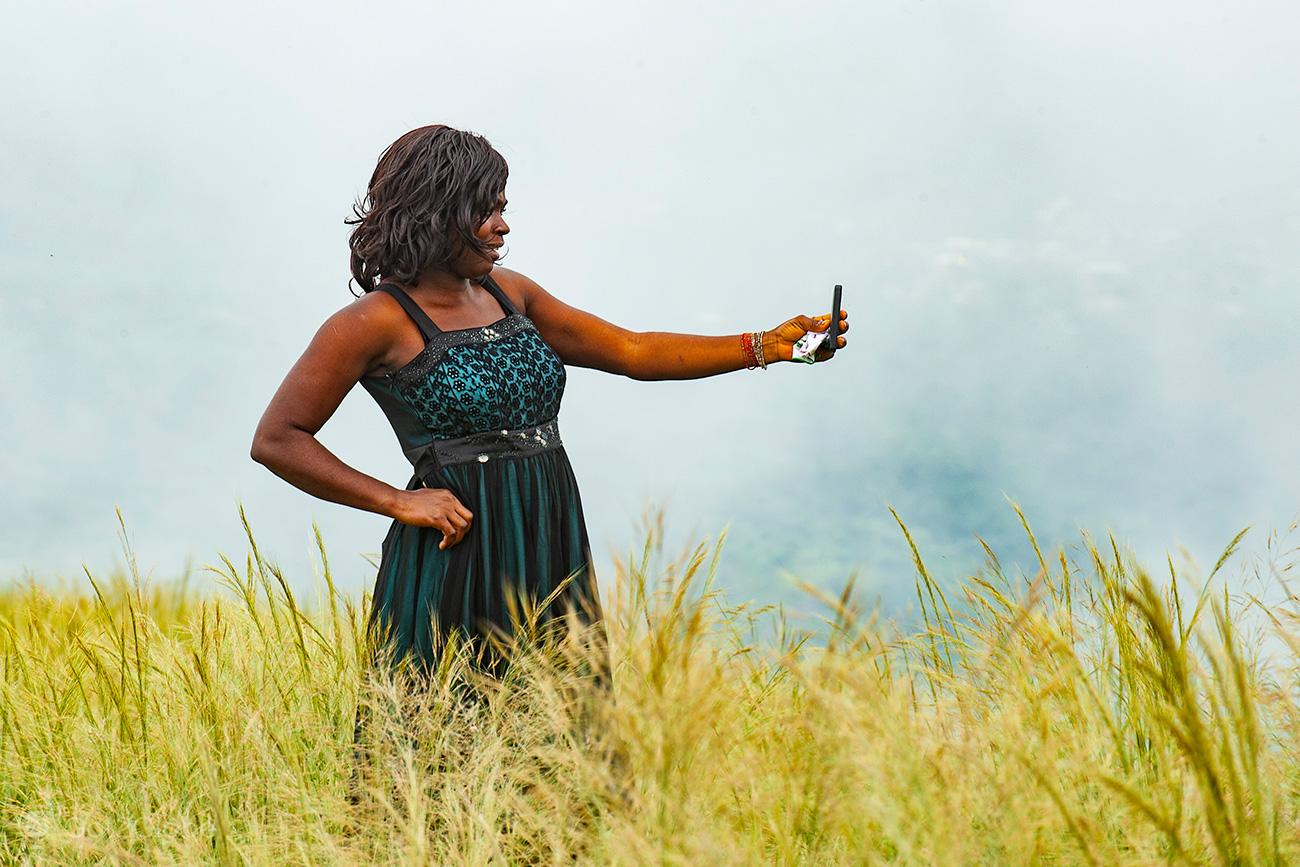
(805, 346)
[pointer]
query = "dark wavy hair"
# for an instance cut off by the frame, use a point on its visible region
(430, 191)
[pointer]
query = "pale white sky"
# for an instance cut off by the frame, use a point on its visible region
(1066, 232)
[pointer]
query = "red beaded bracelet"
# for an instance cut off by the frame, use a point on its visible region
(747, 346)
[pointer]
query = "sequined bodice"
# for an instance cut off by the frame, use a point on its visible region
(468, 380)
(498, 376)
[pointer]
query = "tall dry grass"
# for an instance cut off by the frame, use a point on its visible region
(1085, 714)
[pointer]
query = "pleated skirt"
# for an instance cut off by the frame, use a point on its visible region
(527, 537)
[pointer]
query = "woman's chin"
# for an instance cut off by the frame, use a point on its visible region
(476, 270)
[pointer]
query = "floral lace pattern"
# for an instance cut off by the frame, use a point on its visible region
(502, 375)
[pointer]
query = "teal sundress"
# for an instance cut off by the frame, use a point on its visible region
(476, 412)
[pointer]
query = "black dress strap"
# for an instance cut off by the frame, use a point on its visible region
(413, 310)
(502, 298)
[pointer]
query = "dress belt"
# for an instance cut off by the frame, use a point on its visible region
(483, 446)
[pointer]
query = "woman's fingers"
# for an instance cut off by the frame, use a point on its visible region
(840, 341)
(453, 527)
(447, 532)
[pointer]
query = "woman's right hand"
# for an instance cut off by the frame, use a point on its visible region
(437, 508)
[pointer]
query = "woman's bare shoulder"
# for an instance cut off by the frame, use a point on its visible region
(371, 312)
(518, 288)
(363, 329)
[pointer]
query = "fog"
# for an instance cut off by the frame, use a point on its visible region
(1066, 235)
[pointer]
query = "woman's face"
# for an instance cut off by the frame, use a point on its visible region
(472, 264)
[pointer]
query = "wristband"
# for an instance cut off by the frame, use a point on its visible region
(747, 348)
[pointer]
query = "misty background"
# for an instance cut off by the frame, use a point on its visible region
(1066, 234)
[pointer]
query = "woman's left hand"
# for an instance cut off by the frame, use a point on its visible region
(779, 342)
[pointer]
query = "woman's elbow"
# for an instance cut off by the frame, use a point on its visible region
(639, 374)
(260, 451)
(630, 360)
(266, 447)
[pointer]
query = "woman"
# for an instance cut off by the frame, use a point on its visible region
(467, 359)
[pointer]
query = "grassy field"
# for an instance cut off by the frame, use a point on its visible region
(1085, 713)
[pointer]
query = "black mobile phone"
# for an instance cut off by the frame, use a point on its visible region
(833, 332)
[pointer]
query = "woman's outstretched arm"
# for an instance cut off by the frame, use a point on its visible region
(585, 340)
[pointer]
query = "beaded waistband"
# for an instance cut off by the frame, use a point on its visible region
(484, 446)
